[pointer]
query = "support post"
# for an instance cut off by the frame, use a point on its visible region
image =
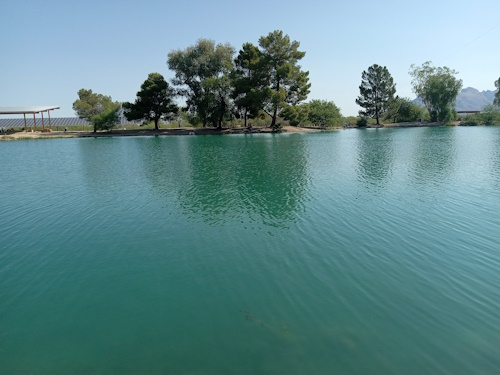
(48, 114)
(43, 124)
(34, 120)
(25, 126)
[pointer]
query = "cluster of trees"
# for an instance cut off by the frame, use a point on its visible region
(263, 80)
(267, 80)
(436, 87)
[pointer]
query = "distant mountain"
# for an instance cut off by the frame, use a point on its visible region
(470, 99)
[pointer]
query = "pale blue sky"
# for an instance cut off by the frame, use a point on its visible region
(51, 49)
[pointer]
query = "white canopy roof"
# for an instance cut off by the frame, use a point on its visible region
(23, 110)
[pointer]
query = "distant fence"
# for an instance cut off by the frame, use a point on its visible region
(54, 121)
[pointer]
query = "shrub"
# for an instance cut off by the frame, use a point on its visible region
(470, 120)
(490, 114)
(362, 122)
(277, 127)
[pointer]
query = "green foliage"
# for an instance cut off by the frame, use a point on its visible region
(490, 115)
(403, 110)
(349, 120)
(438, 88)
(471, 120)
(277, 127)
(497, 94)
(98, 109)
(249, 81)
(296, 114)
(376, 91)
(324, 113)
(287, 84)
(362, 122)
(106, 119)
(217, 100)
(154, 101)
(202, 75)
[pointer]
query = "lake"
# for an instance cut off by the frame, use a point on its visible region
(346, 252)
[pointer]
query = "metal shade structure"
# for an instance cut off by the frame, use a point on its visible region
(29, 110)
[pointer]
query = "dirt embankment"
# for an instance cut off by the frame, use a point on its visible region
(147, 132)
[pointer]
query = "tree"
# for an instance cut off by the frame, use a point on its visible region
(296, 114)
(287, 84)
(403, 110)
(218, 101)
(490, 114)
(98, 109)
(201, 72)
(154, 101)
(497, 94)
(249, 81)
(376, 91)
(323, 113)
(437, 87)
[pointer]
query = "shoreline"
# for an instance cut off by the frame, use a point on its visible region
(194, 131)
(148, 133)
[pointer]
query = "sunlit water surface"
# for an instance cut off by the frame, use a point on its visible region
(347, 252)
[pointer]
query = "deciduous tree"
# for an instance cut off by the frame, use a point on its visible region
(437, 87)
(403, 110)
(201, 73)
(98, 109)
(323, 113)
(376, 91)
(153, 102)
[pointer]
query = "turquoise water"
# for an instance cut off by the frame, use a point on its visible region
(370, 251)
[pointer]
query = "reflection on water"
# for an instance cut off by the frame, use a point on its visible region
(107, 165)
(433, 155)
(217, 179)
(164, 164)
(495, 162)
(403, 281)
(374, 156)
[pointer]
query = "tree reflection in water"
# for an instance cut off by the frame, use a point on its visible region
(221, 178)
(374, 157)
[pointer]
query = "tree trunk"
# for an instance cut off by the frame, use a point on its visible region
(246, 114)
(223, 109)
(275, 115)
(156, 124)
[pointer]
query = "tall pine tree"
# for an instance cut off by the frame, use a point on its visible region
(154, 101)
(249, 81)
(376, 91)
(287, 83)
